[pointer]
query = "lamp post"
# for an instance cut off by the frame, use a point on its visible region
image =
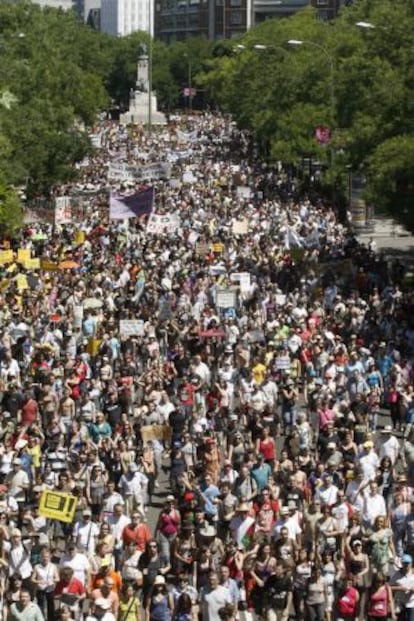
(189, 81)
(150, 66)
(329, 57)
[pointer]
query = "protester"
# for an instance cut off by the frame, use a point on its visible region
(202, 359)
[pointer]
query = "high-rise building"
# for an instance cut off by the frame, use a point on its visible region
(123, 17)
(217, 19)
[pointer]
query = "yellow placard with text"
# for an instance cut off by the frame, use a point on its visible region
(23, 255)
(49, 266)
(58, 506)
(80, 237)
(21, 281)
(32, 264)
(6, 256)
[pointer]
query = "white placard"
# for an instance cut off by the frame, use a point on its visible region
(131, 327)
(282, 363)
(226, 298)
(77, 317)
(63, 210)
(243, 191)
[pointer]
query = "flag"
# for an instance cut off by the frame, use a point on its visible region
(134, 205)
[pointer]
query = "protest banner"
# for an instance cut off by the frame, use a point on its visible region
(131, 327)
(162, 433)
(21, 282)
(6, 256)
(166, 223)
(63, 210)
(188, 177)
(58, 506)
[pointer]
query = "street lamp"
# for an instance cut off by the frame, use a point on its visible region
(189, 81)
(150, 66)
(329, 57)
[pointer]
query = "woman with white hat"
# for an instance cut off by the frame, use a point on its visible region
(160, 603)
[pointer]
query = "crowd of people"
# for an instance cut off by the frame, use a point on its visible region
(228, 398)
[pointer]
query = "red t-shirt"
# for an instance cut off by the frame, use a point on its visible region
(73, 587)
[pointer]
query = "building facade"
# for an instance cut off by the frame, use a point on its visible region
(177, 20)
(120, 18)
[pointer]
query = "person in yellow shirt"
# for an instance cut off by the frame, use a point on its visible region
(258, 371)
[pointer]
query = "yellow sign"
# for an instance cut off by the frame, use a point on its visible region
(23, 255)
(58, 506)
(6, 256)
(80, 237)
(93, 346)
(21, 281)
(32, 264)
(49, 266)
(218, 247)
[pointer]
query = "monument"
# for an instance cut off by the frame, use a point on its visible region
(141, 99)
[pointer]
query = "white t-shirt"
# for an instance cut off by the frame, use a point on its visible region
(212, 601)
(80, 565)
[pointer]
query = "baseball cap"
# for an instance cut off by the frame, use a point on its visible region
(407, 558)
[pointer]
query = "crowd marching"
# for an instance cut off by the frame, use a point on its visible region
(225, 386)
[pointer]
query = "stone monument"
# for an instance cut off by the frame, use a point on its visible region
(140, 98)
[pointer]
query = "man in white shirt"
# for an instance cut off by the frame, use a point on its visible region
(85, 532)
(213, 598)
(78, 562)
(389, 445)
(17, 481)
(369, 461)
(373, 505)
(289, 522)
(117, 521)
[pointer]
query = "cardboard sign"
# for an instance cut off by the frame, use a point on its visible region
(156, 432)
(58, 506)
(79, 237)
(166, 223)
(202, 249)
(240, 227)
(131, 327)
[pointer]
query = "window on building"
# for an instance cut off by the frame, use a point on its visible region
(322, 2)
(323, 15)
(236, 18)
(235, 2)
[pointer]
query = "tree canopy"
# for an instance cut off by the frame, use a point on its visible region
(357, 81)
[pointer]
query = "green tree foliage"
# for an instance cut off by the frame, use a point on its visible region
(357, 82)
(55, 68)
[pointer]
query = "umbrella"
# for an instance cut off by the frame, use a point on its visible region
(69, 264)
(92, 303)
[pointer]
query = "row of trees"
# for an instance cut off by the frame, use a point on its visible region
(56, 74)
(285, 78)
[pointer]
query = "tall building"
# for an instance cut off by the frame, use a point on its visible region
(327, 9)
(217, 19)
(123, 17)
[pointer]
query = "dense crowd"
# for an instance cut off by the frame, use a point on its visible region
(244, 374)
